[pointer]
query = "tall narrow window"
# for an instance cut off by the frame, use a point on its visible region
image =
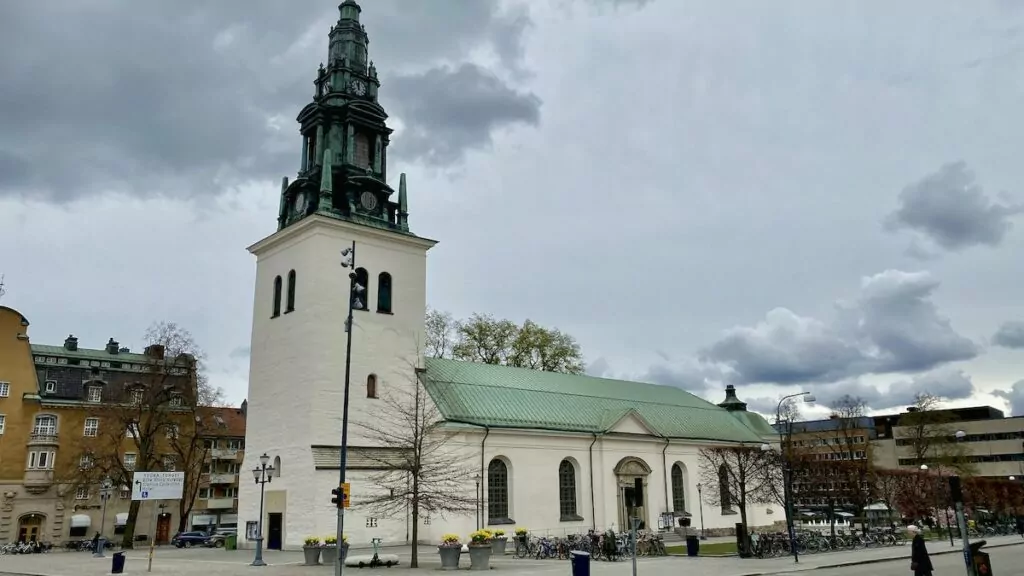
(277, 297)
(371, 386)
(724, 493)
(678, 490)
(497, 492)
(290, 307)
(361, 301)
(384, 293)
(567, 491)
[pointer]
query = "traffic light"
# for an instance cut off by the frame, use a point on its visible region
(341, 496)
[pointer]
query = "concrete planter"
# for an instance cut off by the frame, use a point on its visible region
(331, 551)
(450, 556)
(498, 545)
(312, 555)
(480, 556)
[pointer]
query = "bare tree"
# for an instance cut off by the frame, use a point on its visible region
(420, 467)
(442, 334)
(743, 475)
(930, 434)
(147, 420)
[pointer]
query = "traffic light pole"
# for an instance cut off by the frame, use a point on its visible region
(339, 562)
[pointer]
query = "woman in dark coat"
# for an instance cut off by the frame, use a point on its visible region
(920, 562)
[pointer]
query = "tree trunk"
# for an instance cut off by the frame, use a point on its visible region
(415, 561)
(128, 538)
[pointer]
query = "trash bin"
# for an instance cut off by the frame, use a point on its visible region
(580, 563)
(692, 545)
(117, 564)
(980, 560)
(231, 542)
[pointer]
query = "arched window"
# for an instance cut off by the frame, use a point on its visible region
(291, 293)
(363, 300)
(45, 425)
(678, 490)
(497, 492)
(277, 297)
(567, 491)
(371, 386)
(384, 293)
(724, 493)
(277, 466)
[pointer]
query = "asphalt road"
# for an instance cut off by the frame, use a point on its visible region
(1006, 561)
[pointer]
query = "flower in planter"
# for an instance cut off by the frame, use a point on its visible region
(311, 542)
(330, 540)
(499, 533)
(450, 540)
(481, 537)
(521, 531)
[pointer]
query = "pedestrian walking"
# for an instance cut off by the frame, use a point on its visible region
(920, 562)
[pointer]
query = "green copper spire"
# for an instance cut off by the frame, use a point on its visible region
(349, 10)
(403, 204)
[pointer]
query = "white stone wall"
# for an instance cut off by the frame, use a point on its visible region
(297, 365)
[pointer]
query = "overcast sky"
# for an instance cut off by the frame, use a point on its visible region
(780, 195)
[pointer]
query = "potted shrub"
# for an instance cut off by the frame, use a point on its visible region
(331, 543)
(498, 542)
(450, 550)
(311, 550)
(480, 550)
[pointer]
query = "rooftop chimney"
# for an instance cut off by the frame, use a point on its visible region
(155, 351)
(71, 343)
(732, 403)
(112, 346)
(124, 350)
(245, 407)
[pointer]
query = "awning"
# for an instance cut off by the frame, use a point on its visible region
(80, 521)
(844, 514)
(121, 519)
(203, 519)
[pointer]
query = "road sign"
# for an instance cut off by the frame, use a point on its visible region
(345, 494)
(157, 485)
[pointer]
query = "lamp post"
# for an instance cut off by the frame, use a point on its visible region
(478, 513)
(348, 261)
(959, 435)
(106, 489)
(787, 473)
(700, 502)
(263, 474)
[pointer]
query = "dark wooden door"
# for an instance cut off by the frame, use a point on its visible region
(275, 521)
(163, 529)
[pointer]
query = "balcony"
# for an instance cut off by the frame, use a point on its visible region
(223, 478)
(224, 453)
(35, 439)
(38, 481)
(220, 504)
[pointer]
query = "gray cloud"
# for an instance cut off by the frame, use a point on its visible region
(952, 211)
(892, 327)
(187, 98)
(946, 383)
(1014, 396)
(1010, 335)
(448, 111)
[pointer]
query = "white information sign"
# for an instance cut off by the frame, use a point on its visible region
(157, 485)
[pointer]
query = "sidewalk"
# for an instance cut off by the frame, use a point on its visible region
(216, 562)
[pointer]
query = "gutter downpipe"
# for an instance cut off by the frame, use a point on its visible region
(593, 505)
(665, 474)
(480, 493)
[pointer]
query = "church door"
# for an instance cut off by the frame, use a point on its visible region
(30, 527)
(627, 472)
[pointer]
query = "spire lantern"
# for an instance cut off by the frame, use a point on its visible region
(349, 10)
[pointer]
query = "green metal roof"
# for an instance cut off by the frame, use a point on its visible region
(504, 397)
(87, 354)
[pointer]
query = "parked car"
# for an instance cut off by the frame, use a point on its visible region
(189, 539)
(217, 538)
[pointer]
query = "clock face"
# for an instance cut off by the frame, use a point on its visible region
(368, 200)
(300, 202)
(358, 87)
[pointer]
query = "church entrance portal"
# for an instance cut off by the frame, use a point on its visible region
(627, 472)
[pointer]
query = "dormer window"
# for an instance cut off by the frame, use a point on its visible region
(95, 393)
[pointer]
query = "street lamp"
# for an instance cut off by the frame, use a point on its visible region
(787, 473)
(263, 474)
(106, 489)
(700, 502)
(354, 289)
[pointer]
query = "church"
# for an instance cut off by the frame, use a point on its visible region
(554, 453)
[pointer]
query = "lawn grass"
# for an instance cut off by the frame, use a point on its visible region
(706, 549)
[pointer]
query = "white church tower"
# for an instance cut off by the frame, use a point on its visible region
(297, 367)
